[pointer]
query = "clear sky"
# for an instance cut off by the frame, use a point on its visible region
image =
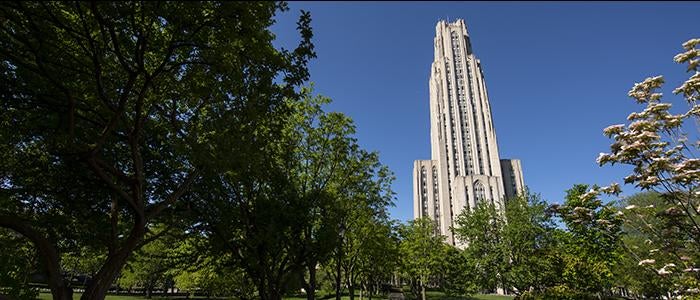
(556, 73)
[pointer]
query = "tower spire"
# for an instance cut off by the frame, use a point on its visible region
(465, 168)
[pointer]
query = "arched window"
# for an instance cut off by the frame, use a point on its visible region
(479, 192)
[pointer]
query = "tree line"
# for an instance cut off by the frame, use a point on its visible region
(160, 145)
(596, 244)
(132, 128)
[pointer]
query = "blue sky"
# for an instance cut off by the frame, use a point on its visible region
(556, 73)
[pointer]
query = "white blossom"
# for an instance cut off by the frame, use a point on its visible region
(603, 158)
(634, 115)
(612, 189)
(647, 262)
(642, 91)
(613, 129)
(628, 207)
(592, 193)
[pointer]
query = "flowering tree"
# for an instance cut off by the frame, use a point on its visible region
(664, 154)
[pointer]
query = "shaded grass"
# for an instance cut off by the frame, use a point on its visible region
(437, 295)
(431, 295)
(47, 296)
(76, 296)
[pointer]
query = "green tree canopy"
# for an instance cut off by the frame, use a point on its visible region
(111, 112)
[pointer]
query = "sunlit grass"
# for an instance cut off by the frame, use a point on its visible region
(431, 295)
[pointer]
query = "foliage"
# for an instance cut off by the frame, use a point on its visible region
(529, 237)
(117, 108)
(481, 230)
(214, 281)
(378, 259)
(455, 273)
(307, 192)
(419, 259)
(664, 159)
(151, 266)
(637, 239)
(326, 166)
(17, 264)
(591, 247)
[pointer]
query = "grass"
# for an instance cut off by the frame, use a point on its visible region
(47, 296)
(76, 296)
(493, 297)
(431, 295)
(437, 295)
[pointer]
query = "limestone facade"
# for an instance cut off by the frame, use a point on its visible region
(465, 168)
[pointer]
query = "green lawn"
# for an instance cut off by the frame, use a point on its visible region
(493, 297)
(47, 296)
(436, 295)
(431, 295)
(76, 296)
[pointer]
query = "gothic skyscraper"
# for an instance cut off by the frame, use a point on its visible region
(465, 168)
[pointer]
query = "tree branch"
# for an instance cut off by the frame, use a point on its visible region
(155, 209)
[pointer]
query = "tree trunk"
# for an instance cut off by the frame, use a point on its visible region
(269, 288)
(311, 286)
(337, 276)
(52, 264)
(261, 289)
(102, 281)
(422, 290)
(361, 288)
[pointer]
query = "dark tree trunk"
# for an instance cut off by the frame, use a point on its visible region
(422, 290)
(268, 289)
(52, 264)
(351, 285)
(338, 275)
(102, 281)
(311, 286)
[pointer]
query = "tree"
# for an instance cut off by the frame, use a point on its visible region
(419, 259)
(322, 162)
(657, 145)
(17, 265)
(641, 232)
(367, 241)
(116, 109)
(152, 265)
(481, 230)
(456, 273)
(378, 258)
(214, 280)
(283, 212)
(591, 248)
(528, 237)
